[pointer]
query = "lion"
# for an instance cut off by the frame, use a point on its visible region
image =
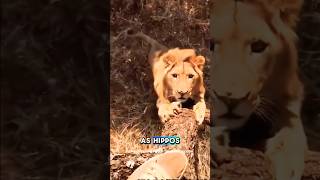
(257, 93)
(178, 78)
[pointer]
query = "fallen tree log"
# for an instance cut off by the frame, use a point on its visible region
(246, 164)
(184, 126)
(239, 163)
(227, 163)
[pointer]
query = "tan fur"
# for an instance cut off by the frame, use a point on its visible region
(169, 165)
(187, 67)
(239, 72)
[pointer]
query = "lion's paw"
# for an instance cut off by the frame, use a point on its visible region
(166, 111)
(200, 111)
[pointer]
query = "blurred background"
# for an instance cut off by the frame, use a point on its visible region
(309, 51)
(53, 94)
(53, 54)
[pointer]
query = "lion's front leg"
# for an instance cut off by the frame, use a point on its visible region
(200, 110)
(286, 151)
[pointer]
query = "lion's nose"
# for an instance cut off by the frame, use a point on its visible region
(182, 92)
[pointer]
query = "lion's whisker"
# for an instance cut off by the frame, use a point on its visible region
(266, 110)
(263, 116)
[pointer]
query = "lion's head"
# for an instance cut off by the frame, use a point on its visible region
(253, 56)
(183, 75)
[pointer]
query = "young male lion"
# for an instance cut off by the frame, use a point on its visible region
(254, 77)
(178, 77)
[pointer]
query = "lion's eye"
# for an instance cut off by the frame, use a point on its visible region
(212, 44)
(190, 76)
(258, 46)
(175, 75)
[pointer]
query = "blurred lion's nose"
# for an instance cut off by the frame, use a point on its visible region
(229, 101)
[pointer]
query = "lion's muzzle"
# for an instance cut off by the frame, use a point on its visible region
(232, 112)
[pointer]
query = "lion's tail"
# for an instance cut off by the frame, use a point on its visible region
(155, 45)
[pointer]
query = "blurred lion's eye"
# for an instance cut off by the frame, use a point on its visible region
(258, 46)
(175, 75)
(190, 76)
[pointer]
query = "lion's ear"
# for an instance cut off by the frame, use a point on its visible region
(199, 61)
(169, 59)
(289, 10)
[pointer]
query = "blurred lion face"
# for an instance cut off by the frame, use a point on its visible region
(244, 48)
